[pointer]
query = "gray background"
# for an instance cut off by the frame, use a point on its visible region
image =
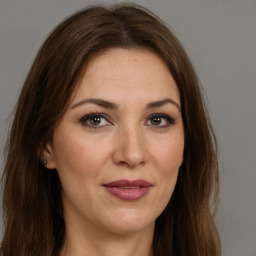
(220, 38)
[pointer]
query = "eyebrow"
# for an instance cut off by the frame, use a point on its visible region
(160, 103)
(110, 105)
(99, 102)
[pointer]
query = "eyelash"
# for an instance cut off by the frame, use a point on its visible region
(83, 120)
(169, 119)
(94, 115)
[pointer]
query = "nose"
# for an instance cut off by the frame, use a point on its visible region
(130, 148)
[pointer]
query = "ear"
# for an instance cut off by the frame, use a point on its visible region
(46, 157)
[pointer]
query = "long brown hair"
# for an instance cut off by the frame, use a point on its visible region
(32, 206)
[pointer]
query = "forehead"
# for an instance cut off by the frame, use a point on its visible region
(119, 73)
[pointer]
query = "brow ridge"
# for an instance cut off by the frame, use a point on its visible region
(99, 102)
(161, 103)
(111, 105)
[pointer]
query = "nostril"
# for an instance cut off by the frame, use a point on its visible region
(131, 164)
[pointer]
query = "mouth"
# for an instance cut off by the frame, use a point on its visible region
(128, 190)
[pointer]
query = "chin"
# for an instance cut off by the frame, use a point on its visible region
(127, 222)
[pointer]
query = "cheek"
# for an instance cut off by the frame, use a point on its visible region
(79, 162)
(169, 155)
(168, 159)
(78, 156)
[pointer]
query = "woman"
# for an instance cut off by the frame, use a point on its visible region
(111, 151)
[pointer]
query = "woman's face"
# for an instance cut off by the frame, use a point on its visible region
(119, 146)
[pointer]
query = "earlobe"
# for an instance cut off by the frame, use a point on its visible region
(46, 157)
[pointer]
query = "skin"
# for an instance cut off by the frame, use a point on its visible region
(127, 144)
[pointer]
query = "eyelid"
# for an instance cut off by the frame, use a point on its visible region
(169, 119)
(95, 114)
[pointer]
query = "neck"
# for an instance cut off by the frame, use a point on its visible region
(94, 243)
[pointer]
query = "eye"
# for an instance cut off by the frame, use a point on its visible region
(160, 120)
(95, 121)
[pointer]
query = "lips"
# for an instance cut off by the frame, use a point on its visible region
(128, 190)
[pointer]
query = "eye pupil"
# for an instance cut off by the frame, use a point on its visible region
(95, 120)
(156, 120)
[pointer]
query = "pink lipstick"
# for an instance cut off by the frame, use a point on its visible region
(128, 190)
